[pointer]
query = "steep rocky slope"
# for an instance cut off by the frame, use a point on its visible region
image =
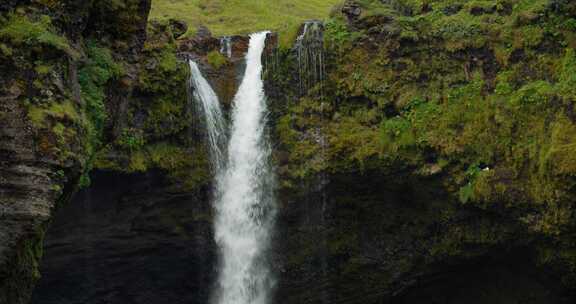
(60, 81)
(443, 133)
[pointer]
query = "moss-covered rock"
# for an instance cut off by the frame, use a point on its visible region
(56, 93)
(470, 96)
(161, 129)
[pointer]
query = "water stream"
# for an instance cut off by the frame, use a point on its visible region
(209, 107)
(244, 195)
(310, 54)
(226, 46)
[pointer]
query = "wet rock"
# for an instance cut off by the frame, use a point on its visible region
(351, 10)
(129, 239)
(178, 28)
(39, 165)
(203, 33)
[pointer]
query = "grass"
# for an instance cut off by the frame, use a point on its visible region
(231, 17)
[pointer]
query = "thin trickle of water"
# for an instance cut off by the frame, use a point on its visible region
(310, 52)
(226, 46)
(209, 105)
(245, 208)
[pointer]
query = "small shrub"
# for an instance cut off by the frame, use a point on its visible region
(396, 133)
(131, 139)
(466, 193)
(337, 34)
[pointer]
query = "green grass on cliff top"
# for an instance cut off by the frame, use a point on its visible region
(230, 17)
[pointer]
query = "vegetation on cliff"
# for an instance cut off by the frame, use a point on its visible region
(455, 118)
(60, 61)
(476, 94)
(158, 131)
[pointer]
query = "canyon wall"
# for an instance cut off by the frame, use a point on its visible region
(429, 159)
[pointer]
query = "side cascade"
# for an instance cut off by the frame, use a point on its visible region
(245, 206)
(226, 46)
(209, 107)
(309, 49)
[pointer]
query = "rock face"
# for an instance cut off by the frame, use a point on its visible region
(132, 238)
(129, 239)
(378, 240)
(45, 121)
(29, 189)
(394, 181)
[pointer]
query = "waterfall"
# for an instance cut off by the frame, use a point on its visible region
(209, 106)
(310, 52)
(226, 46)
(245, 207)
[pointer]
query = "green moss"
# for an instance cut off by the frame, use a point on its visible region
(534, 94)
(216, 60)
(65, 111)
(337, 34)
(24, 269)
(396, 134)
(43, 69)
(138, 162)
(160, 140)
(93, 77)
(528, 36)
(59, 130)
(31, 254)
(187, 168)
(567, 77)
(131, 139)
(168, 60)
(469, 84)
(560, 158)
(22, 30)
(6, 50)
(167, 110)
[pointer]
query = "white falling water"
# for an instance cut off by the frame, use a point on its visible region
(226, 46)
(245, 207)
(310, 53)
(209, 106)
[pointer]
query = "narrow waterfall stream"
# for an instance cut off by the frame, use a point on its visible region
(209, 105)
(226, 46)
(310, 54)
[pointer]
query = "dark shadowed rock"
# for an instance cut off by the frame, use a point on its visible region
(352, 10)
(178, 28)
(128, 239)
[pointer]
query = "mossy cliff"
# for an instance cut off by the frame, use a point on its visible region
(93, 87)
(159, 128)
(434, 150)
(67, 68)
(442, 133)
